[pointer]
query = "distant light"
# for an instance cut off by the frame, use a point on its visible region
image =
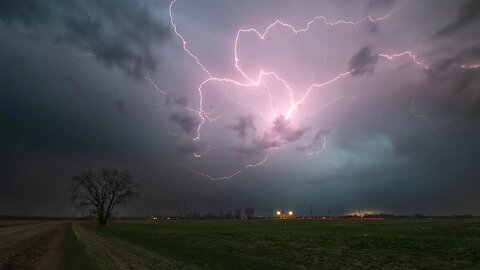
(290, 213)
(279, 213)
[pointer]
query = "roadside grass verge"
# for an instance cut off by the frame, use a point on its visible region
(75, 255)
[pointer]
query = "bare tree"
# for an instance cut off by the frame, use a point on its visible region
(100, 191)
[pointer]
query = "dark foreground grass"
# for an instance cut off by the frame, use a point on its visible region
(76, 257)
(305, 244)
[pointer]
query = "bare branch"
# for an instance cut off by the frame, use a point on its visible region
(101, 191)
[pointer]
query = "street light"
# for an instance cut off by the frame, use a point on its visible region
(279, 213)
(290, 213)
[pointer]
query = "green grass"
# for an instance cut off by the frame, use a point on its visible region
(297, 244)
(75, 256)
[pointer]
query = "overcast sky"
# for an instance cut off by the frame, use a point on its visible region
(352, 112)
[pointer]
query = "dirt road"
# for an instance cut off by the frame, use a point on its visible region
(35, 245)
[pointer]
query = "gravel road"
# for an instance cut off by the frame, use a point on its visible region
(32, 246)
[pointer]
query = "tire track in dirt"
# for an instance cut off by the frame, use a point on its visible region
(32, 246)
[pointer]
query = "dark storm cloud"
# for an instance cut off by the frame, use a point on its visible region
(470, 54)
(466, 81)
(185, 120)
(53, 106)
(457, 97)
(458, 63)
(245, 124)
(456, 85)
(118, 33)
(281, 133)
(60, 113)
(363, 61)
(466, 57)
(468, 14)
(121, 106)
(380, 3)
(313, 144)
(446, 157)
(181, 101)
(187, 148)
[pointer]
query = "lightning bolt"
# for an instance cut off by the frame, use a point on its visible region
(228, 177)
(258, 81)
(407, 53)
(473, 66)
(154, 85)
(316, 152)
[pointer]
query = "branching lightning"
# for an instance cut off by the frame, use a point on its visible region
(407, 53)
(228, 177)
(258, 81)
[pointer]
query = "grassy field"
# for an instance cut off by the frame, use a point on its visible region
(273, 244)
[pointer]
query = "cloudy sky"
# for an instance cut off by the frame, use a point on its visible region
(354, 105)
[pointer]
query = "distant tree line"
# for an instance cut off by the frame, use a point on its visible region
(248, 213)
(240, 213)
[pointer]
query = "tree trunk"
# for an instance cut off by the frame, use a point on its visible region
(102, 222)
(102, 219)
